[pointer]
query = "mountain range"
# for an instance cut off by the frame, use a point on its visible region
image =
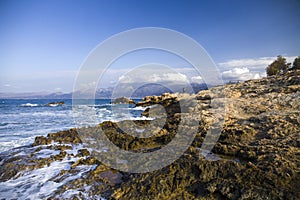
(106, 93)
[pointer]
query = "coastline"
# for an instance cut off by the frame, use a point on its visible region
(24, 119)
(256, 155)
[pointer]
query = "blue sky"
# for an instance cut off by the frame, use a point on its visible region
(43, 43)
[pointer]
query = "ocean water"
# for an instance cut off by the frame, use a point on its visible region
(21, 120)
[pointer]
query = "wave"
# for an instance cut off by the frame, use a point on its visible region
(23, 120)
(40, 180)
(142, 118)
(36, 105)
(6, 144)
(43, 182)
(138, 108)
(10, 124)
(101, 105)
(52, 105)
(63, 113)
(30, 105)
(3, 124)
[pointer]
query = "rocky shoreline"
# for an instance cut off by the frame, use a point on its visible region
(257, 155)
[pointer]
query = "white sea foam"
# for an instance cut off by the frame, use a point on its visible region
(142, 118)
(39, 183)
(53, 105)
(35, 184)
(74, 149)
(29, 105)
(63, 113)
(17, 142)
(46, 153)
(138, 108)
(84, 193)
(7, 125)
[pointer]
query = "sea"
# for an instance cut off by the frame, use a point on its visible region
(21, 120)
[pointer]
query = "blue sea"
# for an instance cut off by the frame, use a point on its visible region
(21, 120)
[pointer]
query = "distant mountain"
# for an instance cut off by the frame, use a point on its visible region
(106, 93)
(157, 89)
(58, 96)
(25, 95)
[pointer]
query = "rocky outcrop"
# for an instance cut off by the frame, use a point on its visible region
(67, 137)
(59, 103)
(257, 155)
(123, 100)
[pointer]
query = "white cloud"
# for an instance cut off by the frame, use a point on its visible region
(256, 76)
(237, 71)
(240, 74)
(125, 79)
(168, 77)
(8, 87)
(153, 78)
(197, 79)
(58, 89)
(245, 69)
(252, 63)
(259, 64)
(87, 86)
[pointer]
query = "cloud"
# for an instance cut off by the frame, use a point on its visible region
(125, 79)
(6, 87)
(245, 69)
(259, 64)
(87, 86)
(241, 74)
(57, 89)
(153, 78)
(168, 77)
(196, 79)
(262, 62)
(237, 71)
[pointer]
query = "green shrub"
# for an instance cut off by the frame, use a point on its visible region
(279, 66)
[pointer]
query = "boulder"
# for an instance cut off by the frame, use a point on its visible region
(123, 100)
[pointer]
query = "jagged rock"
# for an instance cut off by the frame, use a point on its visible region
(122, 100)
(257, 155)
(68, 137)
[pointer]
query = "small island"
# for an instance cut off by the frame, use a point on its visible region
(123, 100)
(52, 104)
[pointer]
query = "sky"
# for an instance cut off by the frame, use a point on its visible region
(44, 43)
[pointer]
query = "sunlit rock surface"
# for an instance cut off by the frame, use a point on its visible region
(257, 155)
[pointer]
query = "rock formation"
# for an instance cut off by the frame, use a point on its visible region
(122, 100)
(55, 103)
(257, 155)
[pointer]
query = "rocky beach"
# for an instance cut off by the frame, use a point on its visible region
(256, 156)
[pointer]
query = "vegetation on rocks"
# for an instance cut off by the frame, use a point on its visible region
(280, 66)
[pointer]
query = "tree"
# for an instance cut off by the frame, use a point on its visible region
(278, 66)
(296, 63)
